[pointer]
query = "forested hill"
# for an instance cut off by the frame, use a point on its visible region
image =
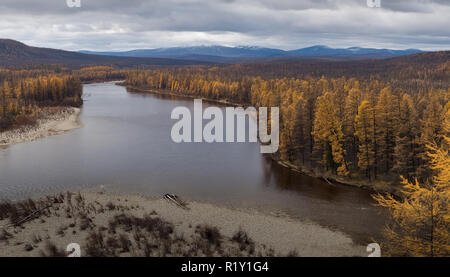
(15, 53)
(242, 54)
(411, 66)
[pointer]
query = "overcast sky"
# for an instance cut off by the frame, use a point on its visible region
(286, 24)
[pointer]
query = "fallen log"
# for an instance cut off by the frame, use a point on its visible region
(172, 198)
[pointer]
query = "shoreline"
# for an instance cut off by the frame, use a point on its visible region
(50, 123)
(361, 184)
(169, 93)
(267, 235)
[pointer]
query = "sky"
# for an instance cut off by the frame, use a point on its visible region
(116, 25)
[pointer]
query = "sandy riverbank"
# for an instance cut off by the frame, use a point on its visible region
(50, 123)
(118, 220)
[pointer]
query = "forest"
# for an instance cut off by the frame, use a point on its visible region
(354, 128)
(384, 124)
(386, 127)
(23, 93)
(364, 125)
(26, 90)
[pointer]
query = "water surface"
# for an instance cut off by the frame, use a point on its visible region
(125, 144)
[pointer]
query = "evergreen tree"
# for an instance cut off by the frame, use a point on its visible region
(328, 133)
(364, 125)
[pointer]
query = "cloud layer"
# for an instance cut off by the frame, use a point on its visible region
(287, 24)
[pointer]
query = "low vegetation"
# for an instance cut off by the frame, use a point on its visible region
(114, 230)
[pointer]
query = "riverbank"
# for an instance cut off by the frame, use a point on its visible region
(106, 224)
(374, 186)
(52, 121)
(171, 93)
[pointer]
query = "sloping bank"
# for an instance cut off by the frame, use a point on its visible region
(106, 224)
(52, 121)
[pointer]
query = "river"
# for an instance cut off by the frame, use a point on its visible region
(125, 145)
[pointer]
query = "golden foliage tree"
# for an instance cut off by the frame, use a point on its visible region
(386, 124)
(407, 139)
(364, 125)
(421, 221)
(318, 115)
(328, 132)
(22, 93)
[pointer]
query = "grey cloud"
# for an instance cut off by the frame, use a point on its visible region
(419, 6)
(119, 25)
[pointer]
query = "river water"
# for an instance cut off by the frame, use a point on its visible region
(125, 145)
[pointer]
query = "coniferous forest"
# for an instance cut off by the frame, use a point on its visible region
(386, 128)
(371, 126)
(228, 128)
(24, 92)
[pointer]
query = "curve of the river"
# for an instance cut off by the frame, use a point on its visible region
(125, 145)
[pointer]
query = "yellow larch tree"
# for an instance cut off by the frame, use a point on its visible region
(328, 132)
(421, 220)
(364, 125)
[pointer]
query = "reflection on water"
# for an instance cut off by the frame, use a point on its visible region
(125, 144)
(286, 179)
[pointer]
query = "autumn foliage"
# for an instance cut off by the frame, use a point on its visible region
(392, 128)
(371, 122)
(421, 220)
(357, 129)
(23, 93)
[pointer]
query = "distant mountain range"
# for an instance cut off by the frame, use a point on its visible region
(16, 53)
(231, 54)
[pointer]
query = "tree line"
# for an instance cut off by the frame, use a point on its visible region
(371, 129)
(23, 93)
(384, 122)
(25, 90)
(348, 127)
(100, 74)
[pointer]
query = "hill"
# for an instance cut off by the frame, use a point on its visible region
(15, 53)
(224, 54)
(414, 66)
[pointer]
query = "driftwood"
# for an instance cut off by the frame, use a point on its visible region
(172, 198)
(30, 216)
(325, 178)
(27, 218)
